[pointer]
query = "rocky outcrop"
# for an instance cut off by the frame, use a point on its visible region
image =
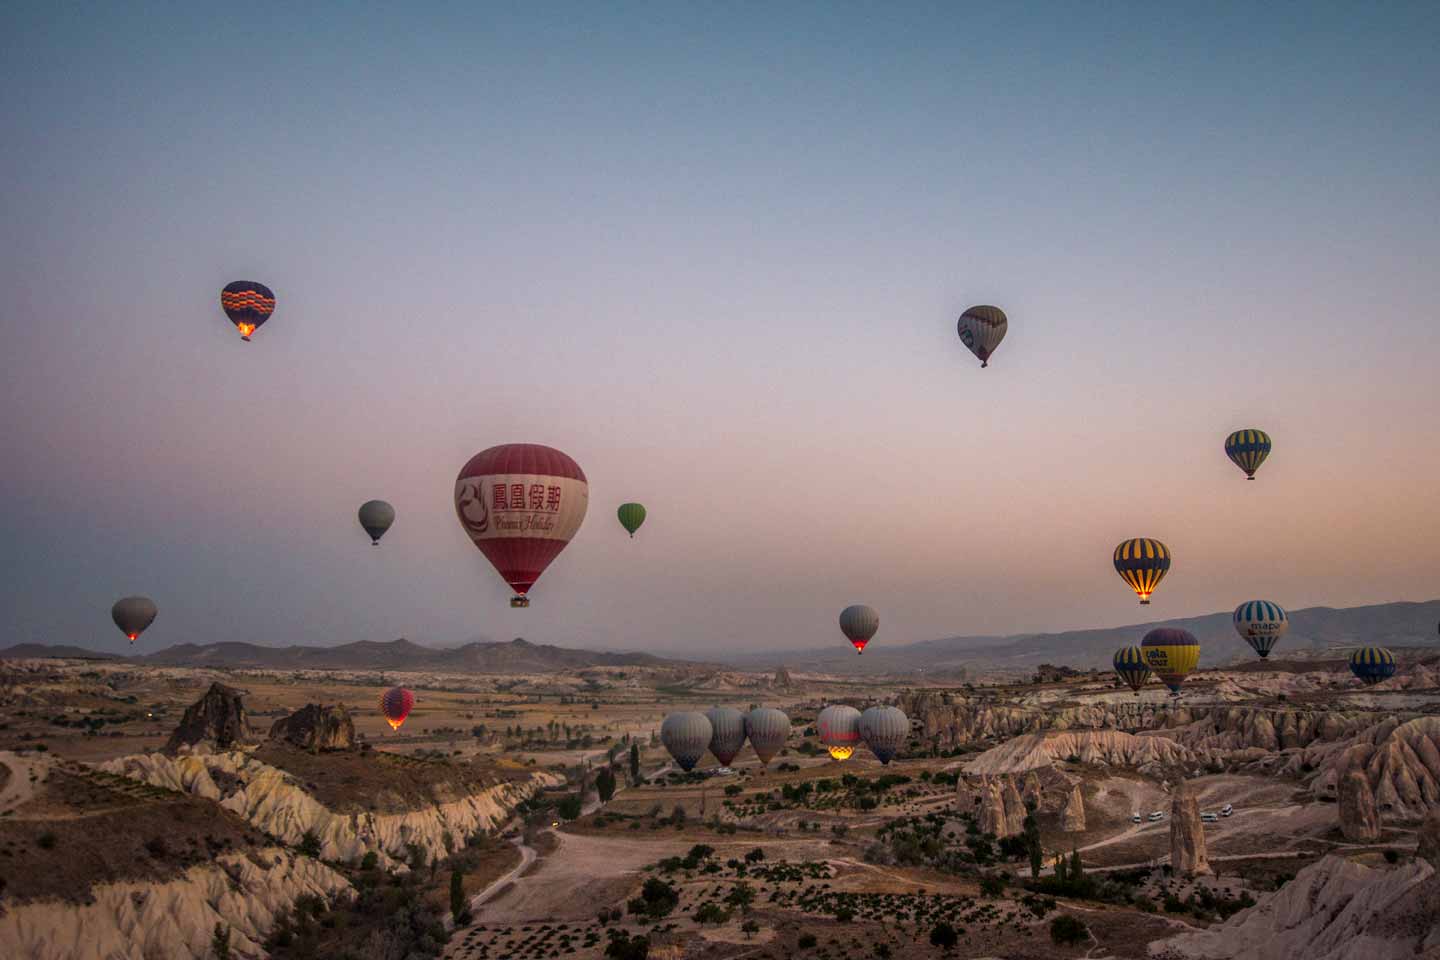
(216, 720)
(1332, 910)
(316, 727)
(1072, 818)
(1015, 811)
(173, 919)
(1359, 820)
(1107, 747)
(1429, 845)
(274, 801)
(992, 808)
(782, 677)
(1401, 759)
(1187, 834)
(1033, 794)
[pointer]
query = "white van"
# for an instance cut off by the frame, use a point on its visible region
(1156, 815)
(1135, 818)
(1226, 810)
(1210, 817)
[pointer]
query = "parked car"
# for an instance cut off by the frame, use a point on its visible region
(1226, 810)
(1156, 815)
(1135, 818)
(1210, 817)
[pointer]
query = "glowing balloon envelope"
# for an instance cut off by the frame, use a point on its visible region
(859, 622)
(1261, 623)
(1142, 563)
(981, 329)
(521, 503)
(1130, 667)
(133, 614)
(686, 736)
(396, 704)
(248, 305)
(376, 516)
(1372, 665)
(839, 729)
(1171, 654)
(1247, 449)
(884, 730)
(631, 516)
(727, 733)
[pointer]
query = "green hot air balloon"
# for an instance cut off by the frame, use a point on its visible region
(376, 516)
(631, 516)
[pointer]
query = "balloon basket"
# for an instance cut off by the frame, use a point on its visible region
(519, 602)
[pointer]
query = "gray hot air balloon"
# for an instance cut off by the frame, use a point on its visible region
(727, 733)
(133, 614)
(686, 736)
(859, 622)
(884, 730)
(768, 729)
(376, 517)
(839, 729)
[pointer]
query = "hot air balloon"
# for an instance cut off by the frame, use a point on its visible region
(1372, 665)
(1171, 653)
(981, 329)
(859, 622)
(521, 503)
(884, 730)
(248, 305)
(1248, 449)
(767, 729)
(686, 736)
(133, 614)
(1261, 623)
(839, 729)
(631, 516)
(1142, 563)
(376, 517)
(1130, 668)
(396, 704)
(727, 733)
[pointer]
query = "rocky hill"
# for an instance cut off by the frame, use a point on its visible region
(1113, 748)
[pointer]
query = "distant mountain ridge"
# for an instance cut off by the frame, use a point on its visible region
(28, 651)
(517, 656)
(1311, 629)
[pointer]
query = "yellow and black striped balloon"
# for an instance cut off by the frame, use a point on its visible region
(1247, 449)
(1142, 563)
(1130, 667)
(1171, 653)
(1372, 664)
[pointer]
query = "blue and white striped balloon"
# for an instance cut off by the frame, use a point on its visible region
(1261, 623)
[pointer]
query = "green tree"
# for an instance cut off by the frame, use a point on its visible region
(741, 896)
(1066, 929)
(1031, 833)
(750, 928)
(309, 845)
(711, 913)
(943, 935)
(457, 895)
(625, 947)
(569, 807)
(605, 784)
(1077, 869)
(634, 763)
(220, 942)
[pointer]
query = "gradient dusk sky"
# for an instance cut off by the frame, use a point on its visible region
(715, 253)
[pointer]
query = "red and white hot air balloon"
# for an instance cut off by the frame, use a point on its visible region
(521, 503)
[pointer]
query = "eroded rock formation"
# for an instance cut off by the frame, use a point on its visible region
(216, 720)
(1359, 820)
(992, 808)
(1109, 747)
(316, 727)
(1072, 818)
(1187, 834)
(1429, 847)
(1014, 810)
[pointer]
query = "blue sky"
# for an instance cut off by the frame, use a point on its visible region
(715, 255)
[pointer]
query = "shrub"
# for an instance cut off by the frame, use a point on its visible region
(1067, 930)
(806, 941)
(1392, 856)
(624, 947)
(370, 861)
(46, 840)
(992, 885)
(750, 928)
(711, 913)
(309, 845)
(943, 935)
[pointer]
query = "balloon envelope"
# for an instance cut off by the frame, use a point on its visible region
(248, 305)
(631, 516)
(1372, 665)
(884, 730)
(521, 503)
(686, 736)
(376, 517)
(1247, 449)
(767, 730)
(1130, 667)
(981, 329)
(1261, 623)
(859, 622)
(839, 729)
(133, 614)
(727, 733)
(1171, 654)
(1142, 563)
(396, 704)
